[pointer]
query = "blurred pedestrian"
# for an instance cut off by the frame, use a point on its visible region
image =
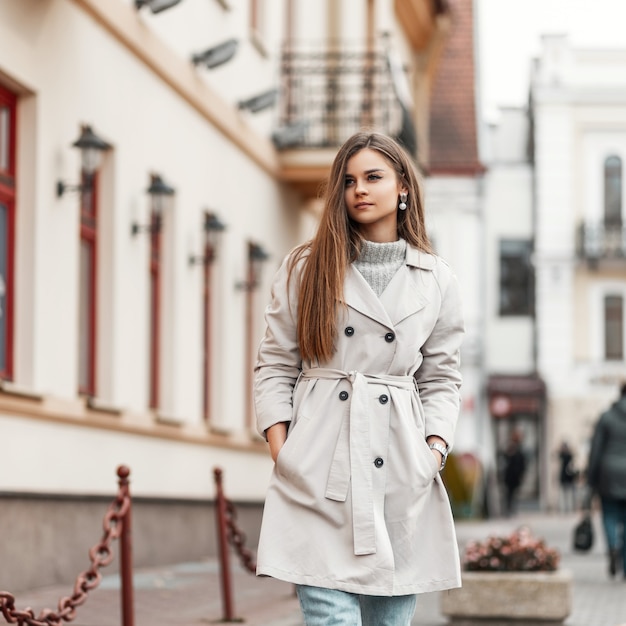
(606, 476)
(514, 471)
(357, 392)
(568, 476)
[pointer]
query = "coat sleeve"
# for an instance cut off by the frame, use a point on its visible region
(598, 443)
(438, 377)
(278, 362)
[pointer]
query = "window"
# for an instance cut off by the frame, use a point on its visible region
(613, 190)
(516, 278)
(257, 25)
(155, 309)
(614, 327)
(7, 235)
(87, 286)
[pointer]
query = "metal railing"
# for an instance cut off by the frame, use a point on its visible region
(117, 525)
(601, 240)
(330, 93)
(229, 533)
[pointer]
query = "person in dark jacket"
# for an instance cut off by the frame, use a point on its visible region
(606, 476)
(514, 470)
(568, 475)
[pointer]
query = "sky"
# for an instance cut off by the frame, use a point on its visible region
(509, 36)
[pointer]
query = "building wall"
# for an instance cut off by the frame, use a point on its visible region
(453, 219)
(508, 215)
(127, 73)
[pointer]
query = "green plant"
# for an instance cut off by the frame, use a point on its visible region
(519, 552)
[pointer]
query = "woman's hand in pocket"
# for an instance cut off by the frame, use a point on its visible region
(276, 437)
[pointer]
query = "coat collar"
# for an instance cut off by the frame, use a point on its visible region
(400, 299)
(418, 258)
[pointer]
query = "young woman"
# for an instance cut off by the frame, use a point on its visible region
(357, 393)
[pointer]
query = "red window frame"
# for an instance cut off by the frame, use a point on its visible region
(89, 238)
(155, 309)
(7, 196)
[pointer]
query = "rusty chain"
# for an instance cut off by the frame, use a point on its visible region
(100, 555)
(238, 539)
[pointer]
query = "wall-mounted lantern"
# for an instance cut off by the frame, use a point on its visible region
(217, 55)
(158, 191)
(261, 101)
(91, 150)
(291, 135)
(156, 6)
(256, 257)
(213, 228)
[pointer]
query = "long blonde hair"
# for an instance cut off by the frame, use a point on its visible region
(337, 243)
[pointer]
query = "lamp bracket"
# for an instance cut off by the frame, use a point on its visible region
(207, 259)
(62, 187)
(136, 228)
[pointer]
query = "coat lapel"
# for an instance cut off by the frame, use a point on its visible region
(402, 297)
(359, 296)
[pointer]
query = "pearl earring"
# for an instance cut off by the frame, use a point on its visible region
(403, 199)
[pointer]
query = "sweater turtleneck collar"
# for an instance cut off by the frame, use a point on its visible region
(388, 252)
(378, 262)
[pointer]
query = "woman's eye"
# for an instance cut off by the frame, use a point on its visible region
(349, 181)
(374, 177)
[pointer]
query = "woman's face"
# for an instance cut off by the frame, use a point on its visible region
(371, 195)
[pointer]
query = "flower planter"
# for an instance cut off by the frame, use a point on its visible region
(530, 596)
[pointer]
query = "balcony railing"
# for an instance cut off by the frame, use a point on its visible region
(601, 240)
(328, 94)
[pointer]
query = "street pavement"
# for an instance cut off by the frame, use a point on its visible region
(189, 594)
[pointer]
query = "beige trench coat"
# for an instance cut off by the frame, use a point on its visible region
(355, 500)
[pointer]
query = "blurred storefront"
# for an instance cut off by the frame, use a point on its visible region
(517, 405)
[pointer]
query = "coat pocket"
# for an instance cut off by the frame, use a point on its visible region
(292, 444)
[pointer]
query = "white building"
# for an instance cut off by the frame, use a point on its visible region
(515, 394)
(578, 100)
(114, 346)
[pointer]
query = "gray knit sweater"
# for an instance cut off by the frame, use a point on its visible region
(378, 262)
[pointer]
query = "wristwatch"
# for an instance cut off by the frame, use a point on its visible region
(444, 452)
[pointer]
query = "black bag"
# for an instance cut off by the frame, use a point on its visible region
(583, 534)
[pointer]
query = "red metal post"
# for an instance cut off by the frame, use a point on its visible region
(126, 552)
(222, 536)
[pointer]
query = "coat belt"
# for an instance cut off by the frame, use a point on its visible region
(352, 463)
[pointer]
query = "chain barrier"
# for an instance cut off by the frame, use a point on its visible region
(229, 533)
(100, 556)
(237, 538)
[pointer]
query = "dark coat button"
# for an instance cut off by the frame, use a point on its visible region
(383, 398)
(349, 331)
(389, 337)
(343, 395)
(378, 462)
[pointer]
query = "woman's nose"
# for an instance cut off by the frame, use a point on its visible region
(359, 187)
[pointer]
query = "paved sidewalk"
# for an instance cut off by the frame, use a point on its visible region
(189, 594)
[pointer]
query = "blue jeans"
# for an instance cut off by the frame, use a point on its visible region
(614, 521)
(330, 607)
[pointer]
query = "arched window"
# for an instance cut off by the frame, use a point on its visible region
(613, 190)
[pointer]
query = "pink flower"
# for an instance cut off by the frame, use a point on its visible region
(518, 552)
